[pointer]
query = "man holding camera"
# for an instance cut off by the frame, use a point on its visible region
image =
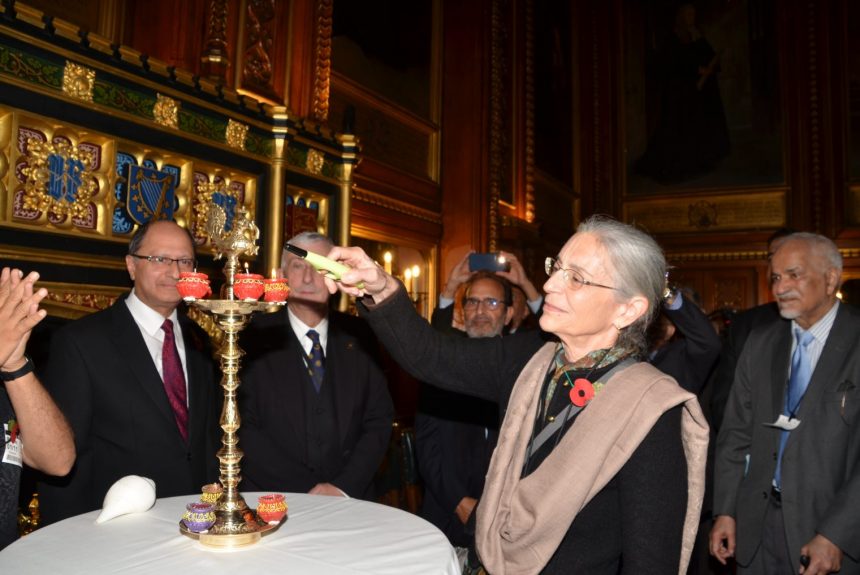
(503, 264)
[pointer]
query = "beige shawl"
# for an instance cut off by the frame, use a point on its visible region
(521, 522)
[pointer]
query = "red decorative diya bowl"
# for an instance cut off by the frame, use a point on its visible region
(248, 286)
(271, 508)
(193, 285)
(275, 289)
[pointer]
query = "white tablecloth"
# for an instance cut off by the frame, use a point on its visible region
(321, 536)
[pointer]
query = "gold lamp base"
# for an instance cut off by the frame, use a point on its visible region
(227, 533)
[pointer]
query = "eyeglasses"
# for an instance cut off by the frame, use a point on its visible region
(573, 278)
(490, 303)
(184, 263)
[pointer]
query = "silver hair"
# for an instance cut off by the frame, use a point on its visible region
(305, 238)
(825, 250)
(639, 270)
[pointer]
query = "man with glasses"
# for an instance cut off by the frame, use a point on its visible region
(787, 477)
(137, 383)
(444, 315)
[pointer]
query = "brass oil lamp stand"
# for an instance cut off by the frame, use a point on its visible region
(236, 525)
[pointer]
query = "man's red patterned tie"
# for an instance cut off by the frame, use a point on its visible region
(174, 379)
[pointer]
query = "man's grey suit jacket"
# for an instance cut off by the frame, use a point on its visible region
(821, 462)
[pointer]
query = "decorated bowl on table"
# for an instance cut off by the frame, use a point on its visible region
(211, 493)
(276, 290)
(199, 517)
(271, 508)
(248, 286)
(193, 285)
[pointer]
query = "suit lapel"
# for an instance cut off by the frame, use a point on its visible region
(200, 389)
(779, 369)
(840, 342)
(287, 367)
(131, 345)
(341, 358)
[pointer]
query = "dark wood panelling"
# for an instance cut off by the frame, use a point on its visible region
(464, 136)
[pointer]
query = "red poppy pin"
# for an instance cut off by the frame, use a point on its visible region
(582, 392)
(13, 430)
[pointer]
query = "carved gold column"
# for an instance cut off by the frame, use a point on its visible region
(276, 202)
(349, 145)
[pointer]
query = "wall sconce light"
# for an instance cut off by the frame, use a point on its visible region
(386, 258)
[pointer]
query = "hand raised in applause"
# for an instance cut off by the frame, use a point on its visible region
(19, 313)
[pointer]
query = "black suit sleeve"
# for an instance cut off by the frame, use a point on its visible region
(68, 381)
(447, 485)
(724, 375)
(653, 502)
(443, 318)
(374, 435)
(700, 349)
(482, 367)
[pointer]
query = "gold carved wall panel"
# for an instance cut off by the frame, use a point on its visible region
(65, 179)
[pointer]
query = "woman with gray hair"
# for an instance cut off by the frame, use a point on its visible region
(600, 463)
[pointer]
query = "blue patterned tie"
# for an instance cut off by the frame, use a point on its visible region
(316, 360)
(801, 372)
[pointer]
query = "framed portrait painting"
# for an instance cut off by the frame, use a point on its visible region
(702, 108)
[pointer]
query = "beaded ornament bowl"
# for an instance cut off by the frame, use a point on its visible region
(276, 290)
(199, 517)
(271, 508)
(248, 286)
(193, 285)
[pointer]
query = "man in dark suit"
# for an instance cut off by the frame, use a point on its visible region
(788, 452)
(316, 412)
(739, 330)
(137, 383)
(454, 433)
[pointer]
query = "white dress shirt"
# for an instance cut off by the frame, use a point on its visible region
(149, 322)
(300, 328)
(820, 331)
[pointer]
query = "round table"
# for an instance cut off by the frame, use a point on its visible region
(321, 535)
